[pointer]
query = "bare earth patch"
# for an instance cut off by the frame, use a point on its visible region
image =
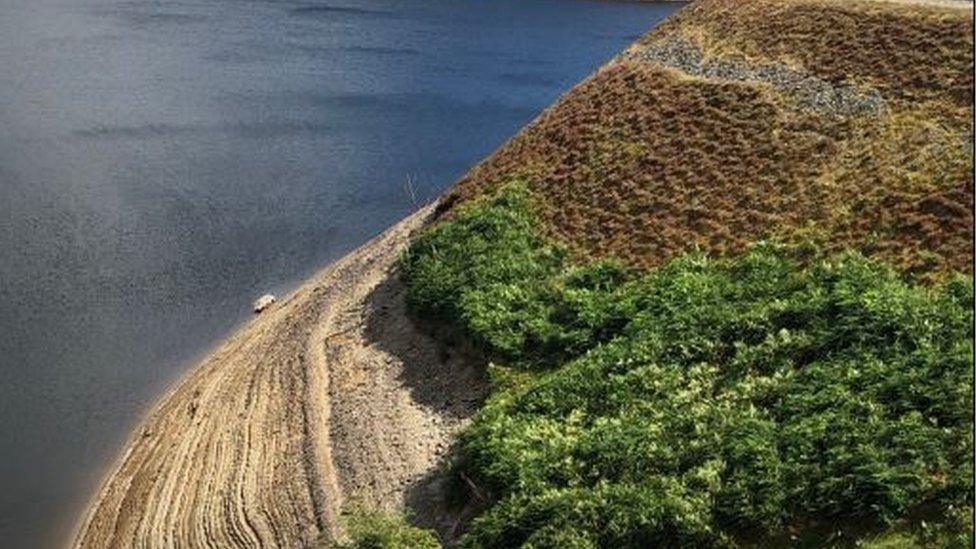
(240, 452)
(398, 400)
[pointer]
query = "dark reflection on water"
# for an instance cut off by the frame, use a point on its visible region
(162, 163)
(326, 11)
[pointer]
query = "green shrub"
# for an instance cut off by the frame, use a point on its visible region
(708, 403)
(491, 274)
(369, 529)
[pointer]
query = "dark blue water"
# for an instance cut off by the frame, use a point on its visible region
(164, 162)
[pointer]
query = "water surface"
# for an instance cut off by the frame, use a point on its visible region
(162, 163)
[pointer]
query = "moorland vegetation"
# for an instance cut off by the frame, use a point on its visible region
(723, 289)
(764, 399)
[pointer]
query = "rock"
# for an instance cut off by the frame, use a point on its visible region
(263, 303)
(812, 93)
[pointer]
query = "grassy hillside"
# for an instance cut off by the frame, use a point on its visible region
(724, 286)
(751, 401)
(839, 124)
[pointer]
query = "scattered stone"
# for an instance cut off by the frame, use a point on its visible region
(815, 94)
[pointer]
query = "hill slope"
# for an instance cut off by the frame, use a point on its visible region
(841, 124)
(718, 284)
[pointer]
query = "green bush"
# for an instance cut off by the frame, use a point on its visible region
(491, 274)
(708, 403)
(369, 529)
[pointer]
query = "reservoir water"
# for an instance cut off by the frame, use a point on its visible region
(162, 163)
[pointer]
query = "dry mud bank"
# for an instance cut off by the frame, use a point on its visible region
(330, 397)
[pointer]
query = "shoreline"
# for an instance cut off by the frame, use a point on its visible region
(237, 450)
(316, 403)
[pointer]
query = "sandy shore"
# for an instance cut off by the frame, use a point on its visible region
(330, 397)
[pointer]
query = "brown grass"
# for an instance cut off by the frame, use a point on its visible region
(643, 162)
(910, 53)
